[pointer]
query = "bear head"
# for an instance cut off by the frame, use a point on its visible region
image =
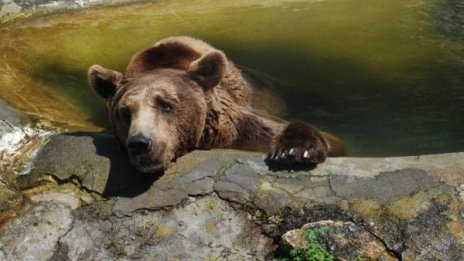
(159, 108)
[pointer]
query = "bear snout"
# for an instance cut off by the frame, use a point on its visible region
(138, 144)
(145, 154)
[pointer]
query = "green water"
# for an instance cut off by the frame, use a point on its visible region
(386, 76)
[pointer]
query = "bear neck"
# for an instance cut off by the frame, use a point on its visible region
(229, 124)
(213, 134)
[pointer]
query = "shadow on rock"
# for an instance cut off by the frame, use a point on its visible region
(276, 167)
(122, 180)
(96, 160)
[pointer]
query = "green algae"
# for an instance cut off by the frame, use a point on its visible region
(385, 76)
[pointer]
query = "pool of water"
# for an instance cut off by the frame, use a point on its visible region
(386, 76)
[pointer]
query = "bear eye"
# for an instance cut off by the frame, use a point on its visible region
(125, 113)
(164, 106)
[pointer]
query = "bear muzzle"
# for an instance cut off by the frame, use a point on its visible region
(138, 144)
(145, 155)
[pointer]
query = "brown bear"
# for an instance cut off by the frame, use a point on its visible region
(182, 94)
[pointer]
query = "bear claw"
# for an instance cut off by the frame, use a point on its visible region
(291, 152)
(300, 146)
(306, 154)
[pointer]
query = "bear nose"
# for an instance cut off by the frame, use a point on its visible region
(138, 143)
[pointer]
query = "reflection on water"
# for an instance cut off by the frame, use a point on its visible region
(387, 76)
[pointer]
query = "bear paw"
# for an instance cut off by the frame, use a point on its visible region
(299, 147)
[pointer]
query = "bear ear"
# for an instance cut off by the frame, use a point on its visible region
(104, 81)
(209, 69)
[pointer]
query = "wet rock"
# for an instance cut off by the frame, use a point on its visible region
(18, 137)
(13, 130)
(18, 142)
(221, 202)
(11, 117)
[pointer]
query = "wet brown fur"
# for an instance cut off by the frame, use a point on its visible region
(210, 102)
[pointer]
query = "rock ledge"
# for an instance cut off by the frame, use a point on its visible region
(227, 204)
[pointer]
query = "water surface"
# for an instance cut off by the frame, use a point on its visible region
(386, 76)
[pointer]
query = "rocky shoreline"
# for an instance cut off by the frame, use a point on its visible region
(11, 9)
(82, 200)
(20, 140)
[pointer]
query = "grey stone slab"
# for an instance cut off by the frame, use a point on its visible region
(203, 229)
(95, 160)
(385, 187)
(33, 235)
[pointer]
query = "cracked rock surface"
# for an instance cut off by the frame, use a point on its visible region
(228, 205)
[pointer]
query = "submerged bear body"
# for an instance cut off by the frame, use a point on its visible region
(182, 94)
